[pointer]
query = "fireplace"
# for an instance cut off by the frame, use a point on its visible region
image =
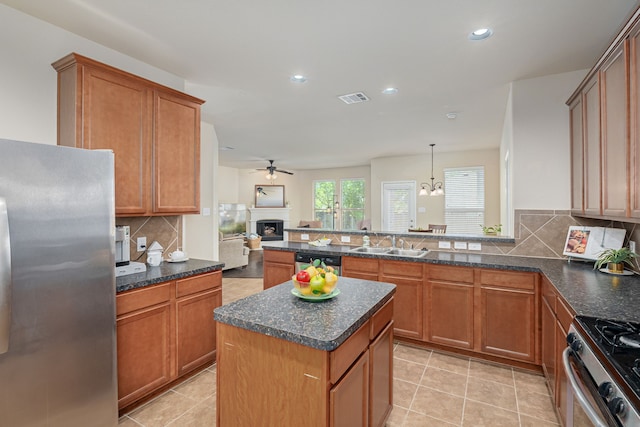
(270, 229)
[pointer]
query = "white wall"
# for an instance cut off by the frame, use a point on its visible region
(506, 174)
(201, 231)
(418, 168)
(540, 154)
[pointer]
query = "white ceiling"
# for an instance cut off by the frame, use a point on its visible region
(239, 54)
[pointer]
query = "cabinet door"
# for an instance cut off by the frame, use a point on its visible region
(445, 299)
(577, 157)
(381, 377)
(508, 323)
(561, 377)
(408, 312)
(615, 153)
(144, 352)
(278, 267)
(116, 115)
(176, 155)
(548, 342)
(196, 329)
(634, 114)
(349, 398)
(592, 164)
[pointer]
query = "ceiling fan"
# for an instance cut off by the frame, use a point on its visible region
(271, 171)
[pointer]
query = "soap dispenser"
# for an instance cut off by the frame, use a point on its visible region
(365, 241)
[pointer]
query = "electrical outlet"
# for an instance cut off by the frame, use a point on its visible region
(206, 211)
(444, 245)
(304, 237)
(632, 245)
(345, 239)
(474, 246)
(141, 244)
(459, 245)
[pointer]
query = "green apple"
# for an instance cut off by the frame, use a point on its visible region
(317, 284)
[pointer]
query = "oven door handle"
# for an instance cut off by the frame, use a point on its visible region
(577, 390)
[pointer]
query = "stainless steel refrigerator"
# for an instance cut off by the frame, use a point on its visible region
(57, 287)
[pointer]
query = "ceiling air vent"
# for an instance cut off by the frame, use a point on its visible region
(354, 98)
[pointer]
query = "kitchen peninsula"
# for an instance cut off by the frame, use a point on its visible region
(285, 361)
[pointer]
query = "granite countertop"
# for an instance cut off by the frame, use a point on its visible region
(588, 291)
(165, 272)
(323, 325)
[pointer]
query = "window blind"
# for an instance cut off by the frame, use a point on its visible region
(464, 199)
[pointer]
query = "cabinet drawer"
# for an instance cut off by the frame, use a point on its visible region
(508, 279)
(450, 274)
(365, 265)
(196, 284)
(344, 356)
(140, 298)
(564, 314)
(549, 294)
(381, 318)
(278, 256)
(412, 270)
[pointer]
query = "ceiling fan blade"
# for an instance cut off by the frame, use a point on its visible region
(287, 172)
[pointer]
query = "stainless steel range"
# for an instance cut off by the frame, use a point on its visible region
(602, 363)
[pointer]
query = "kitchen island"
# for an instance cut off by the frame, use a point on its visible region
(285, 361)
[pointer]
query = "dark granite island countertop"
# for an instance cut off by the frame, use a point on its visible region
(165, 272)
(322, 325)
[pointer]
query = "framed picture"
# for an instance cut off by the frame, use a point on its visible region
(269, 196)
(589, 242)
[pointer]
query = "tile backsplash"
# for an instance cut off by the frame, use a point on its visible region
(166, 230)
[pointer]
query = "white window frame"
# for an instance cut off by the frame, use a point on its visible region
(464, 207)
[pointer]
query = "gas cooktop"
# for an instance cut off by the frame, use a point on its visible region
(619, 343)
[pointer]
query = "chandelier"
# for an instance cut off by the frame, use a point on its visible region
(435, 188)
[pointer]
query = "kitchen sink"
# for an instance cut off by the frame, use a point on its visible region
(413, 253)
(370, 250)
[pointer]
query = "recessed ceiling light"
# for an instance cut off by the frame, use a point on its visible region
(390, 91)
(298, 78)
(225, 148)
(452, 115)
(481, 34)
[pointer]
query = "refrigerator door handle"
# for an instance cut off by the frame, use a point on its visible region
(5, 278)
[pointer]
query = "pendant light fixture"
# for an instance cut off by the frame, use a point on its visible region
(435, 188)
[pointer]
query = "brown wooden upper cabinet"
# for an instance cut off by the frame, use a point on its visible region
(153, 130)
(605, 140)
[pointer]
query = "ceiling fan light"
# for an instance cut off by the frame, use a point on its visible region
(423, 191)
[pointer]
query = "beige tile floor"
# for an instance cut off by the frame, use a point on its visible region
(430, 389)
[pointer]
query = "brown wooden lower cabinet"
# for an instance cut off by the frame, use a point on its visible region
(350, 386)
(164, 331)
(278, 267)
(450, 306)
(409, 280)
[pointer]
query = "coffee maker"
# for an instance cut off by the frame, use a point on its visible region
(123, 235)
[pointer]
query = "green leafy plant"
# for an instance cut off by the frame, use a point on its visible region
(494, 229)
(615, 256)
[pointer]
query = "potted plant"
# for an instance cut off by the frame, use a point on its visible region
(492, 230)
(615, 259)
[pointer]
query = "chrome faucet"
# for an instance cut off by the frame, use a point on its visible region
(401, 244)
(393, 240)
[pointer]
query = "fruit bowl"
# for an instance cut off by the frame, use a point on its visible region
(319, 287)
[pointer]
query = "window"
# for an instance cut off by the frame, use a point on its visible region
(398, 206)
(324, 193)
(352, 203)
(464, 199)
